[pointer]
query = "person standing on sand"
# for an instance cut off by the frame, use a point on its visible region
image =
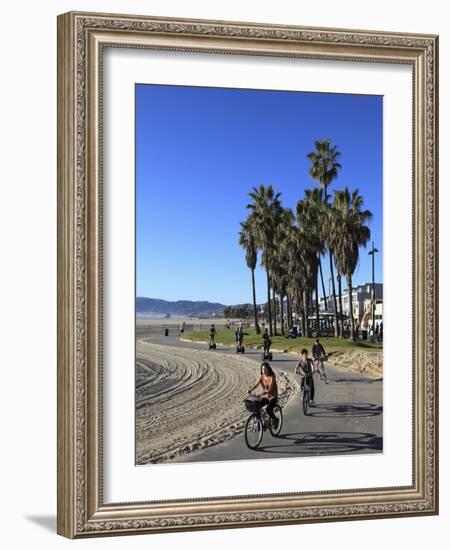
(268, 382)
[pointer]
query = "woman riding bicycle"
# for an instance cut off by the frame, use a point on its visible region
(268, 382)
(305, 369)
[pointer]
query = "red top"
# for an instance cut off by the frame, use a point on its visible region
(269, 385)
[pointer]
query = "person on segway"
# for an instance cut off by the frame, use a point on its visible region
(239, 337)
(212, 337)
(267, 343)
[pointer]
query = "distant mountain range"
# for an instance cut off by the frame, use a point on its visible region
(185, 308)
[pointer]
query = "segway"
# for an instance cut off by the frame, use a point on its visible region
(239, 347)
(267, 354)
(212, 345)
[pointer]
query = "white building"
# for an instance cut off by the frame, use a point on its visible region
(360, 296)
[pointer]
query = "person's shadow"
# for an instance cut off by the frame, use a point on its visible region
(46, 522)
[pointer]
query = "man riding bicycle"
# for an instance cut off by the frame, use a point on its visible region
(318, 353)
(305, 369)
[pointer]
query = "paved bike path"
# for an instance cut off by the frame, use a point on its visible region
(347, 417)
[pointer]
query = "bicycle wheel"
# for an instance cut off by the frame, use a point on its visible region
(305, 400)
(321, 371)
(253, 431)
(279, 416)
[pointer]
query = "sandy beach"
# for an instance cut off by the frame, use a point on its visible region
(369, 364)
(190, 399)
(168, 321)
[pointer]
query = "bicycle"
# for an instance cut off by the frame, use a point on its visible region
(320, 367)
(306, 394)
(258, 422)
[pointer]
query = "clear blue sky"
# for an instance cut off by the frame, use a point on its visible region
(199, 152)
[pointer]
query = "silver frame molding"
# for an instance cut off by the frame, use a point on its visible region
(81, 39)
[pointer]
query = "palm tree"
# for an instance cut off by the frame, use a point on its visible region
(310, 218)
(303, 246)
(264, 218)
(324, 169)
(298, 273)
(324, 165)
(280, 260)
(248, 242)
(332, 228)
(302, 269)
(351, 234)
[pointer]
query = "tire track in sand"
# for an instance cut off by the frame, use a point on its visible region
(189, 399)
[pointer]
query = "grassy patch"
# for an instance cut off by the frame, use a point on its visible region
(251, 339)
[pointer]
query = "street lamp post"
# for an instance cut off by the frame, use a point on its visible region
(372, 253)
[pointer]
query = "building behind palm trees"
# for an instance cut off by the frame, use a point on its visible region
(361, 296)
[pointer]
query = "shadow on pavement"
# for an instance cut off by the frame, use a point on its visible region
(324, 443)
(334, 410)
(352, 380)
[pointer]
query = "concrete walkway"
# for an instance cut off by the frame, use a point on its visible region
(347, 417)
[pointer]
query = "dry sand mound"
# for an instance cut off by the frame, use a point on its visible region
(188, 399)
(369, 364)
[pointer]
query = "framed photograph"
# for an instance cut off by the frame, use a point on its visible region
(247, 282)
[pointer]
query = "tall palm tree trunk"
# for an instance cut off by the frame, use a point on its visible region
(317, 305)
(323, 285)
(288, 310)
(291, 310)
(350, 295)
(301, 310)
(255, 312)
(341, 322)
(303, 316)
(306, 310)
(274, 312)
(283, 332)
(336, 328)
(269, 309)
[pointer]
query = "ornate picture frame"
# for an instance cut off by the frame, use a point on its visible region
(82, 38)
